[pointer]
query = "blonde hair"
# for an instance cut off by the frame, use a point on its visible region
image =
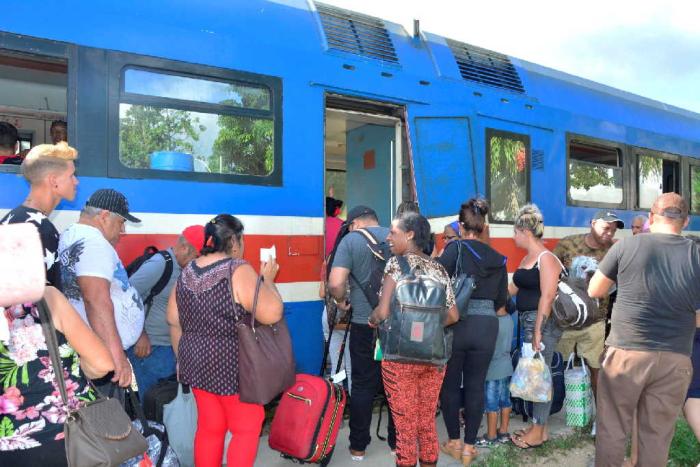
(47, 158)
(530, 218)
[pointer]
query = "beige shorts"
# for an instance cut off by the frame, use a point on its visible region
(589, 343)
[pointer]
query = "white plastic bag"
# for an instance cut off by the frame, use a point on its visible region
(532, 379)
(180, 419)
(578, 401)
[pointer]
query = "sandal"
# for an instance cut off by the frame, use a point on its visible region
(522, 444)
(451, 451)
(468, 458)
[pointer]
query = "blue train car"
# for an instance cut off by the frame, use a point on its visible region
(261, 108)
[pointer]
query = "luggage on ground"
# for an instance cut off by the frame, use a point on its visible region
(161, 393)
(307, 420)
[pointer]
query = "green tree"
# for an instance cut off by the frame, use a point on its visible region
(244, 145)
(508, 176)
(145, 129)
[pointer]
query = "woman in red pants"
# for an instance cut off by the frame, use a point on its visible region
(212, 293)
(412, 388)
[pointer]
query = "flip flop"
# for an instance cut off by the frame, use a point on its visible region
(520, 444)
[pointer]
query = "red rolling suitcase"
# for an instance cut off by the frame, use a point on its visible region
(306, 424)
(308, 417)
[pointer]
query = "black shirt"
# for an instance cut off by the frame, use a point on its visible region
(49, 239)
(483, 262)
(658, 292)
(528, 283)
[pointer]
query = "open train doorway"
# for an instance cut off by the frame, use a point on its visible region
(366, 161)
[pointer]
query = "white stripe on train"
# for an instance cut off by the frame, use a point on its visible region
(161, 223)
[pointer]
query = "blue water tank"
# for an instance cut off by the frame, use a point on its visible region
(172, 160)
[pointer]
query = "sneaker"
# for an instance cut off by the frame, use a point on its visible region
(357, 456)
(485, 442)
(503, 438)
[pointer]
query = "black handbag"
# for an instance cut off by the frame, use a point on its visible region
(98, 434)
(265, 359)
(462, 284)
(415, 332)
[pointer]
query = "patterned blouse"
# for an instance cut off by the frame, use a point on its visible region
(31, 410)
(208, 351)
(428, 266)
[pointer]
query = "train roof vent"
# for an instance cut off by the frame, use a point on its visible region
(485, 66)
(356, 33)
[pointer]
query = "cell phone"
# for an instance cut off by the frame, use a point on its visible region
(266, 254)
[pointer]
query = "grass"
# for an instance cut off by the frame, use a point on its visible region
(508, 455)
(684, 451)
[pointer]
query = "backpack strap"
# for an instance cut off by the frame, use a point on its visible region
(162, 281)
(371, 242)
(404, 265)
(564, 271)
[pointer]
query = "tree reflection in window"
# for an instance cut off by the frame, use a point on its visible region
(509, 171)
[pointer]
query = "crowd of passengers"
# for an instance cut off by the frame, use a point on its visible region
(640, 363)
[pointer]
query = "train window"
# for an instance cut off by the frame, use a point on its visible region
(170, 122)
(595, 174)
(148, 83)
(695, 189)
(33, 93)
(508, 173)
(655, 175)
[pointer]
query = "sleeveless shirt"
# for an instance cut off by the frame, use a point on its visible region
(208, 351)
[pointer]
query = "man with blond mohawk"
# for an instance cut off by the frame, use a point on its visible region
(50, 171)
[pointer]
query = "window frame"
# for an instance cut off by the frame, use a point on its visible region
(31, 46)
(489, 133)
(574, 137)
(634, 172)
(119, 63)
(687, 164)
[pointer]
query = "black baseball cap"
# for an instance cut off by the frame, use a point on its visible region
(112, 201)
(609, 216)
(360, 211)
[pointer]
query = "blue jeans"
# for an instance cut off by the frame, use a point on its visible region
(159, 364)
(497, 394)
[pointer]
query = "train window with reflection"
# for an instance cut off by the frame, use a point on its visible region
(695, 189)
(655, 175)
(508, 157)
(595, 174)
(170, 122)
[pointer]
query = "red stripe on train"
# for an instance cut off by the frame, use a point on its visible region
(299, 256)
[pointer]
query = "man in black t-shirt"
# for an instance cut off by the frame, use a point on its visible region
(50, 171)
(646, 366)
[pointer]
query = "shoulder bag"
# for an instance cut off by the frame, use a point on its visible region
(265, 359)
(98, 434)
(462, 284)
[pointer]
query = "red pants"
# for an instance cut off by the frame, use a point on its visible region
(217, 415)
(412, 392)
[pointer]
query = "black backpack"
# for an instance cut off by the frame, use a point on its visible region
(380, 254)
(415, 332)
(162, 281)
(134, 266)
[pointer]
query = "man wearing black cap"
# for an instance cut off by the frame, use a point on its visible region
(647, 366)
(354, 261)
(581, 254)
(95, 281)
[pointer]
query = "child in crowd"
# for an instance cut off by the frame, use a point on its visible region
(496, 388)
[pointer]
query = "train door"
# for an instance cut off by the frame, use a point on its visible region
(365, 156)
